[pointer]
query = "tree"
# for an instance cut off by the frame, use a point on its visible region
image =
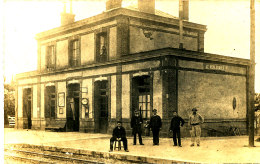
(9, 101)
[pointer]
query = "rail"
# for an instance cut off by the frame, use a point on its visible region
(61, 156)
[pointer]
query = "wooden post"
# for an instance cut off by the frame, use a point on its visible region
(252, 75)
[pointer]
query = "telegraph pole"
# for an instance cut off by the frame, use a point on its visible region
(251, 87)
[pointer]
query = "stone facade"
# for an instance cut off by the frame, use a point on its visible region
(98, 70)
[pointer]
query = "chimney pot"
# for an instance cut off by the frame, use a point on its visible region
(184, 9)
(67, 18)
(147, 6)
(112, 4)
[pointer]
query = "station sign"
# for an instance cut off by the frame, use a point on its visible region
(215, 67)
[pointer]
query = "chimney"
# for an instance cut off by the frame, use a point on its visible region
(183, 15)
(184, 9)
(147, 6)
(67, 18)
(112, 4)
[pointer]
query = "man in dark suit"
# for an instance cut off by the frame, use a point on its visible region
(176, 122)
(119, 135)
(136, 123)
(155, 126)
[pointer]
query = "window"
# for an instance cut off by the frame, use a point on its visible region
(50, 57)
(141, 93)
(144, 97)
(101, 55)
(144, 105)
(50, 108)
(74, 54)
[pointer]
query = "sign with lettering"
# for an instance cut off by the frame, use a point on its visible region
(215, 67)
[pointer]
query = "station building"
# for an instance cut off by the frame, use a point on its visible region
(98, 70)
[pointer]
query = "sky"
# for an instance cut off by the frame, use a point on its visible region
(228, 24)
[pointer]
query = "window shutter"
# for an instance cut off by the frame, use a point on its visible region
(70, 53)
(47, 103)
(47, 57)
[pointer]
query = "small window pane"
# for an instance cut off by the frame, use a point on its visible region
(148, 98)
(143, 114)
(144, 106)
(140, 99)
(148, 106)
(144, 98)
(148, 114)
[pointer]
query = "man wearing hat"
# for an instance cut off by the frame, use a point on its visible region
(136, 123)
(195, 120)
(155, 126)
(119, 135)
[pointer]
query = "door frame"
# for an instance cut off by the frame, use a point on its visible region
(70, 95)
(135, 94)
(27, 123)
(97, 114)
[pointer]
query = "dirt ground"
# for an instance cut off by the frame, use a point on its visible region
(212, 150)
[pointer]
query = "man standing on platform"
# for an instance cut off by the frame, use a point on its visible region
(176, 122)
(194, 121)
(155, 126)
(136, 123)
(119, 135)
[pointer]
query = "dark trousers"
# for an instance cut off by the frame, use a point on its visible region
(139, 136)
(155, 136)
(112, 139)
(176, 132)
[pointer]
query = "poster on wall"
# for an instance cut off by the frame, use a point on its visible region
(61, 99)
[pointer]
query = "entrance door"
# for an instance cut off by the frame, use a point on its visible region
(72, 113)
(141, 96)
(50, 103)
(27, 107)
(101, 106)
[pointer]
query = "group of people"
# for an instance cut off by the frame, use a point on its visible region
(155, 125)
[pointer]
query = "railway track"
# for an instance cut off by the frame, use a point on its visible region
(33, 156)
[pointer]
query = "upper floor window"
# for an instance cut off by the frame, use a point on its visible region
(74, 59)
(50, 57)
(101, 46)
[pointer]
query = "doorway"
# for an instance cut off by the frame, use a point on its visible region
(101, 106)
(27, 108)
(50, 103)
(72, 113)
(141, 96)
